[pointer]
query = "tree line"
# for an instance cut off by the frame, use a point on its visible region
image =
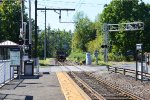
(88, 35)
(56, 40)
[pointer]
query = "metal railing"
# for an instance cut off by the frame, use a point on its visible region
(6, 72)
(127, 71)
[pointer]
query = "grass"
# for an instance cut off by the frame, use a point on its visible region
(102, 63)
(45, 62)
(111, 63)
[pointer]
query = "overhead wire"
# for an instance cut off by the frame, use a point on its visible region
(68, 2)
(76, 5)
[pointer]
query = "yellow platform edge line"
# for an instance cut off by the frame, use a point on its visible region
(70, 89)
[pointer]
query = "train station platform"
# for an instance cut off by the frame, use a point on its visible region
(50, 84)
(38, 87)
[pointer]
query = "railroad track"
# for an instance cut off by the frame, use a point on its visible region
(90, 92)
(99, 89)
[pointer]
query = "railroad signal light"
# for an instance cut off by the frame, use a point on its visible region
(21, 42)
(26, 48)
(104, 46)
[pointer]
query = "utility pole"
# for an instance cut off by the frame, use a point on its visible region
(45, 36)
(36, 35)
(48, 39)
(45, 9)
(30, 29)
(22, 16)
(106, 49)
(21, 28)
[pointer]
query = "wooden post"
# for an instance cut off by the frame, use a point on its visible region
(124, 71)
(115, 69)
(108, 68)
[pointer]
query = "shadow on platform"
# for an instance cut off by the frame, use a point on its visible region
(2, 96)
(29, 98)
(29, 77)
(15, 97)
(12, 84)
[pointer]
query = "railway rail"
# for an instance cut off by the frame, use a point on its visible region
(90, 91)
(99, 89)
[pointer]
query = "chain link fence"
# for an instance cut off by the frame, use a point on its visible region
(6, 72)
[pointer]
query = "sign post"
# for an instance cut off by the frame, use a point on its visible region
(15, 57)
(15, 60)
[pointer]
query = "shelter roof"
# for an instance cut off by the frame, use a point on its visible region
(8, 43)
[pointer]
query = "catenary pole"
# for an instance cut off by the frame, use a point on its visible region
(36, 35)
(30, 29)
(45, 37)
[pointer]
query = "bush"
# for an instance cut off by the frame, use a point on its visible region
(77, 56)
(44, 62)
(114, 57)
(100, 57)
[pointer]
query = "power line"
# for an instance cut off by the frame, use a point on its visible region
(71, 3)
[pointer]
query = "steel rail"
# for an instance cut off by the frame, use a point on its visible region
(124, 92)
(85, 85)
(116, 88)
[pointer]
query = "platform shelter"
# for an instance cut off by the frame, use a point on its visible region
(10, 61)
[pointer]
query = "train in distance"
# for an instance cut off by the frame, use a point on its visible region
(61, 56)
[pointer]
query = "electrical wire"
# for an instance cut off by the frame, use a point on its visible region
(76, 5)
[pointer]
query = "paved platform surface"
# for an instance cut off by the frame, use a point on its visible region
(43, 87)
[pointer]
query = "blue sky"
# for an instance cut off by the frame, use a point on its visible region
(90, 7)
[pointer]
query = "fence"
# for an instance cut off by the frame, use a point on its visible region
(6, 72)
(127, 71)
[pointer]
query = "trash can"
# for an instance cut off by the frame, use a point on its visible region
(28, 67)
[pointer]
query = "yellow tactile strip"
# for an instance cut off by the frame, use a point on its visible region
(70, 89)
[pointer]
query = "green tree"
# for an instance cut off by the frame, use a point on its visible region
(120, 11)
(10, 12)
(57, 40)
(84, 32)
